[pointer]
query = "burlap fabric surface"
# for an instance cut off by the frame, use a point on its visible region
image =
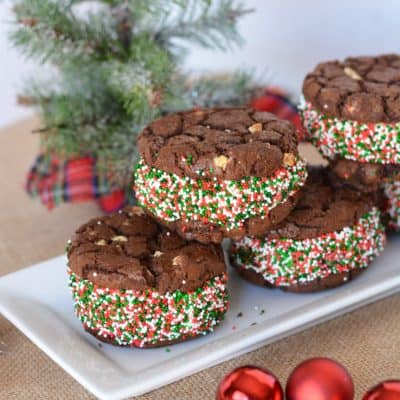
(366, 341)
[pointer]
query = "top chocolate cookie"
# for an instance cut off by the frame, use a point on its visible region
(323, 207)
(130, 250)
(363, 89)
(226, 143)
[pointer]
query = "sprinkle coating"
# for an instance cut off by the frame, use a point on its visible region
(221, 202)
(285, 262)
(138, 318)
(352, 140)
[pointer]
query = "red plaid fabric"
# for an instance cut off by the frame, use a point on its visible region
(75, 180)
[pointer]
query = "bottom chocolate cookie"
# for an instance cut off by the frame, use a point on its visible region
(364, 177)
(316, 285)
(257, 226)
(147, 318)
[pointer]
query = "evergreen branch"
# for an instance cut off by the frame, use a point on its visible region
(139, 83)
(112, 143)
(49, 30)
(210, 25)
(236, 89)
(88, 116)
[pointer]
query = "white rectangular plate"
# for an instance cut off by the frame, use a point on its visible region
(37, 301)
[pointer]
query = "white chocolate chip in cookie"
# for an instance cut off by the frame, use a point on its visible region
(221, 162)
(351, 73)
(178, 261)
(257, 127)
(137, 210)
(289, 159)
(119, 238)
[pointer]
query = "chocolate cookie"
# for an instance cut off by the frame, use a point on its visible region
(381, 181)
(352, 109)
(364, 177)
(330, 237)
(218, 173)
(135, 283)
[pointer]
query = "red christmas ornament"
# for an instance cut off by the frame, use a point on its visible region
(388, 390)
(250, 383)
(320, 379)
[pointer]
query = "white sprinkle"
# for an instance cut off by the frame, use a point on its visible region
(119, 238)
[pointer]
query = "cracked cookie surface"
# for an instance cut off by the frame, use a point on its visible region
(230, 143)
(322, 208)
(364, 89)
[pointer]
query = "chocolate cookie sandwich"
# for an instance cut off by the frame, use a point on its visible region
(329, 238)
(134, 283)
(210, 174)
(351, 111)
